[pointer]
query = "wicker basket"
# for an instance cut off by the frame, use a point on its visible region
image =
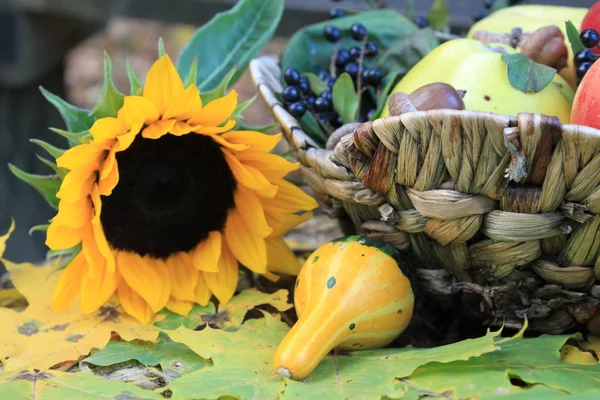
(502, 212)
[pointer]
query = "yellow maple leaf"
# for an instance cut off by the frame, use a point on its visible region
(40, 337)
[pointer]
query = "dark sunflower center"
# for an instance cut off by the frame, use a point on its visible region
(171, 193)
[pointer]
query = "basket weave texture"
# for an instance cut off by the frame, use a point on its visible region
(502, 212)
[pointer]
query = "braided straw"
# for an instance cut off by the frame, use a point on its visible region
(504, 210)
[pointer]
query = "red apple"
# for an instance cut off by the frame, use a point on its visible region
(592, 21)
(586, 105)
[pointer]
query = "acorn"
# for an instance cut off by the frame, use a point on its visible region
(433, 96)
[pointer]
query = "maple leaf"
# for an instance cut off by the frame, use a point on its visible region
(228, 317)
(40, 337)
(243, 365)
(517, 367)
(26, 384)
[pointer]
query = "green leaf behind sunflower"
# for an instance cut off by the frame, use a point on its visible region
(232, 38)
(76, 119)
(47, 186)
(111, 99)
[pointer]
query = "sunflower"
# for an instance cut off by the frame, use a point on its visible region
(165, 201)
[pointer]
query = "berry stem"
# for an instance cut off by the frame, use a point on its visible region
(332, 60)
(359, 77)
(323, 126)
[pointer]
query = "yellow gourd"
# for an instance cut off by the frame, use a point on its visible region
(351, 294)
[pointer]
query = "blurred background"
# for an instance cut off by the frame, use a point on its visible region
(58, 44)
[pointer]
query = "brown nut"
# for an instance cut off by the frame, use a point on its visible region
(438, 96)
(547, 46)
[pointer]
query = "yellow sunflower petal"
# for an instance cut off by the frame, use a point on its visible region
(225, 143)
(272, 166)
(89, 247)
(183, 277)
(88, 155)
(133, 304)
(158, 129)
(271, 277)
(95, 291)
(246, 246)
(282, 223)
(69, 283)
(76, 185)
(137, 110)
(281, 258)
(109, 174)
(163, 84)
(202, 292)
(180, 307)
(98, 231)
(181, 128)
(249, 176)
(105, 129)
(128, 138)
(205, 257)
(223, 283)
(59, 238)
(185, 106)
(148, 277)
(213, 130)
(251, 210)
(74, 215)
(257, 142)
(290, 198)
(217, 111)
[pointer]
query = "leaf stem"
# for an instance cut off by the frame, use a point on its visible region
(323, 126)
(332, 60)
(359, 76)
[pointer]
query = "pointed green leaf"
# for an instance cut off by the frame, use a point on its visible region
(345, 99)
(242, 126)
(39, 228)
(192, 73)
(239, 34)
(61, 172)
(527, 75)
(52, 150)
(219, 91)
(316, 84)
(239, 110)
(47, 186)
(76, 119)
(310, 125)
(573, 35)
(74, 137)
(161, 47)
(111, 99)
(439, 15)
(134, 82)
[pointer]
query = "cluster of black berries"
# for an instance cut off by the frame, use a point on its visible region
(586, 57)
(299, 99)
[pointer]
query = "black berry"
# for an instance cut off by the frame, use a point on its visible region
(370, 49)
(297, 109)
(332, 33)
(324, 75)
(372, 76)
(584, 56)
(339, 121)
(355, 53)
(352, 69)
(336, 13)
(343, 57)
(590, 38)
(331, 82)
(291, 76)
(327, 95)
(322, 105)
(583, 69)
(304, 85)
(310, 101)
(479, 15)
(488, 4)
(358, 31)
(291, 94)
(421, 22)
(324, 120)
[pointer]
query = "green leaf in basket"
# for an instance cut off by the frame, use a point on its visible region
(573, 35)
(388, 83)
(439, 16)
(499, 4)
(316, 84)
(527, 75)
(309, 51)
(231, 39)
(403, 54)
(311, 127)
(345, 100)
